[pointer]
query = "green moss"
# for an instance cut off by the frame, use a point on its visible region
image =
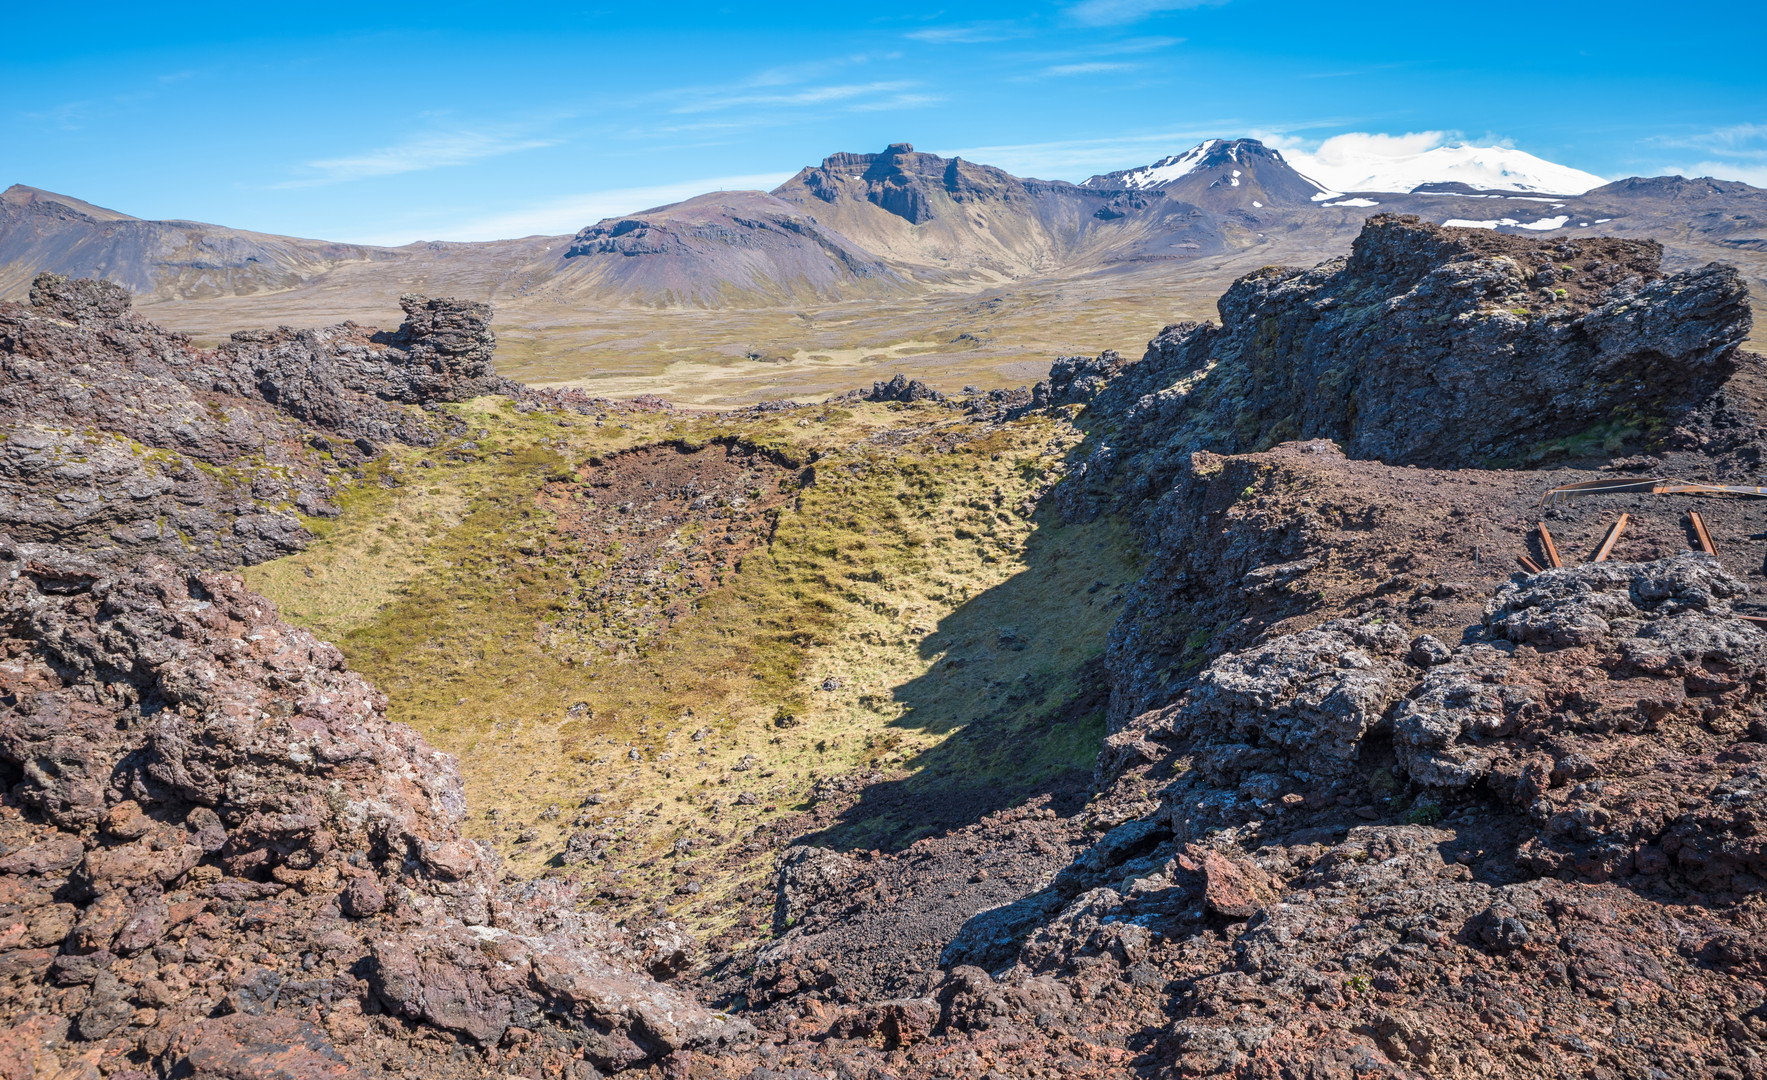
(1284, 430)
(1424, 813)
(1609, 436)
(1381, 783)
(894, 571)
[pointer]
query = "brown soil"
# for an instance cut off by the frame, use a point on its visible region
(662, 525)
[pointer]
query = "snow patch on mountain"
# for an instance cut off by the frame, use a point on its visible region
(1543, 225)
(1360, 161)
(1167, 169)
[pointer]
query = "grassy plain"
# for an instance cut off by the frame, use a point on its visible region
(950, 336)
(999, 336)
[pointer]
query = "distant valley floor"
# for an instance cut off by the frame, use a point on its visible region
(999, 336)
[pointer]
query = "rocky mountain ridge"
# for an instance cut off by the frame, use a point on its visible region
(1441, 168)
(864, 225)
(1221, 175)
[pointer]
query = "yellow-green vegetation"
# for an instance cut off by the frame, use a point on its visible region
(901, 615)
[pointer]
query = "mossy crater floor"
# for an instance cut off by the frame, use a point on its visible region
(689, 640)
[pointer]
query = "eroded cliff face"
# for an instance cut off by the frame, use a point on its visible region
(125, 440)
(1428, 346)
(1372, 802)
(1401, 813)
(212, 829)
(217, 855)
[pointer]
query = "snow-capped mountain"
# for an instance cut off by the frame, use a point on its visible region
(1363, 163)
(1220, 174)
(1160, 173)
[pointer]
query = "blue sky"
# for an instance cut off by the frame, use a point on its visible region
(390, 123)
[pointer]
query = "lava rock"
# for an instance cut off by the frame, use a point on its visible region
(362, 898)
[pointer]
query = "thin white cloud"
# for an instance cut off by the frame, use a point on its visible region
(1737, 152)
(430, 151)
(1357, 146)
(1120, 12)
(802, 71)
(900, 101)
(1744, 140)
(1096, 67)
(969, 34)
(558, 217)
(1755, 174)
(69, 116)
(846, 93)
(1138, 45)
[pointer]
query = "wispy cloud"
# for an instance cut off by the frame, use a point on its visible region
(899, 101)
(856, 95)
(786, 93)
(561, 216)
(1746, 140)
(1721, 170)
(1137, 45)
(1736, 152)
(969, 34)
(802, 70)
(68, 116)
(1122, 12)
(1095, 58)
(1095, 67)
(432, 150)
(76, 115)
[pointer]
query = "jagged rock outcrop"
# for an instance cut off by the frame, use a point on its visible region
(1559, 795)
(1428, 345)
(1312, 696)
(902, 388)
(332, 377)
(217, 855)
(1640, 655)
(207, 813)
(807, 875)
(126, 440)
(113, 442)
(1369, 803)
